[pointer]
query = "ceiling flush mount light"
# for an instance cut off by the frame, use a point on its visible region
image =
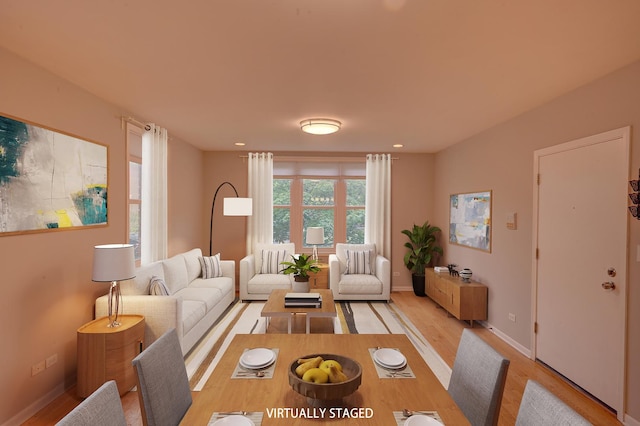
(320, 126)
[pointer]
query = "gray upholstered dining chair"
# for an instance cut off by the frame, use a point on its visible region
(163, 385)
(477, 380)
(102, 408)
(539, 407)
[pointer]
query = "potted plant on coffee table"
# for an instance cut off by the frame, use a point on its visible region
(300, 267)
(422, 246)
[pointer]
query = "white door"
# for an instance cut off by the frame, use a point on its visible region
(582, 235)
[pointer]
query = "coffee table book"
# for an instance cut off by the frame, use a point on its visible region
(302, 300)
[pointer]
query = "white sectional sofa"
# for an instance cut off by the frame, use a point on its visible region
(192, 305)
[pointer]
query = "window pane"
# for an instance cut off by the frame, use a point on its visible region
(318, 192)
(318, 217)
(135, 172)
(281, 227)
(356, 192)
(282, 192)
(134, 228)
(355, 226)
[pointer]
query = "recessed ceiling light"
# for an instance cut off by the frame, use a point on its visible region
(239, 144)
(398, 145)
(320, 126)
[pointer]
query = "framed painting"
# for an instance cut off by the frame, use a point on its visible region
(470, 220)
(49, 180)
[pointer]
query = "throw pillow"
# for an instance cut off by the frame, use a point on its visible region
(157, 287)
(271, 260)
(210, 266)
(358, 262)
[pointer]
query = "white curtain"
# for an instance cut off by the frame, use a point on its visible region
(154, 195)
(377, 220)
(260, 179)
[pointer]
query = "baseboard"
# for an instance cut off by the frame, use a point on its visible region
(630, 421)
(401, 288)
(36, 406)
(517, 346)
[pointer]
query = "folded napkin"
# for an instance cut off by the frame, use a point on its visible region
(400, 418)
(391, 373)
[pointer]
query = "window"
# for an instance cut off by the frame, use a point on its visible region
(134, 146)
(330, 195)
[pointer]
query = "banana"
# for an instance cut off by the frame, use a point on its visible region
(313, 363)
(335, 375)
(303, 360)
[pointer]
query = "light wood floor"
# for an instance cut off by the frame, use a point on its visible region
(443, 332)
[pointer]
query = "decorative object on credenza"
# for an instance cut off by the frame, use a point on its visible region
(233, 206)
(113, 263)
(422, 248)
(470, 220)
(452, 269)
(315, 236)
(635, 197)
(50, 180)
(465, 275)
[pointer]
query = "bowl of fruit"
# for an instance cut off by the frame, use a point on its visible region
(325, 377)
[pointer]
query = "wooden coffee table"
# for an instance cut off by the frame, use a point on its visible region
(275, 308)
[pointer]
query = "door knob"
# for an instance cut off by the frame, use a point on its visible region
(609, 285)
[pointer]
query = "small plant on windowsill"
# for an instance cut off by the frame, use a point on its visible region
(301, 266)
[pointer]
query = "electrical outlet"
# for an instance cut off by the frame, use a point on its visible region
(51, 360)
(512, 317)
(396, 273)
(38, 368)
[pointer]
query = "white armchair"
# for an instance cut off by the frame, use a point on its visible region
(357, 272)
(259, 271)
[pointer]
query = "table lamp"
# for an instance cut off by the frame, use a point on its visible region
(113, 263)
(315, 236)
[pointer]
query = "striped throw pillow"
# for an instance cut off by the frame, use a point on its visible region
(359, 262)
(210, 266)
(157, 287)
(271, 260)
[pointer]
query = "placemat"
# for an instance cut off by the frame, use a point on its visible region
(400, 418)
(255, 417)
(241, 372)
(392, 373)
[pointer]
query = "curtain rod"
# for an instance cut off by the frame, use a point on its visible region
(319, 159)
(138, 123)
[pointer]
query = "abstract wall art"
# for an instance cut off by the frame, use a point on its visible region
(49, 180)
(470, 220)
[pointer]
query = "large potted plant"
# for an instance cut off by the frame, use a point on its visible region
(422, 246)
(301, 266)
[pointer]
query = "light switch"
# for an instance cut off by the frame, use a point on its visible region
(512, 221)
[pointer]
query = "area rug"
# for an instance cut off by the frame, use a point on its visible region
(353, 318)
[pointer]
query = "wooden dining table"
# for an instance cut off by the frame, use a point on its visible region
(373, 403)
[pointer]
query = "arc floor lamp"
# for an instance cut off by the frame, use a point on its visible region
(233, 206)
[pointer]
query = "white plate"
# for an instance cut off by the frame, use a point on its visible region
(234, 420)
(391, 367)
(389, 358)
(257, 358)
(421, 420)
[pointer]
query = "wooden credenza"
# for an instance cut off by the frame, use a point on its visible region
(465, 301)
(106, 353)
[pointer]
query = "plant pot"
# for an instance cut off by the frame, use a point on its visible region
(418, 284)
(300, 285)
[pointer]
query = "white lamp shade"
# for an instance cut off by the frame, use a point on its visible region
(236, 206)
(315, 235)
(113, 262)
